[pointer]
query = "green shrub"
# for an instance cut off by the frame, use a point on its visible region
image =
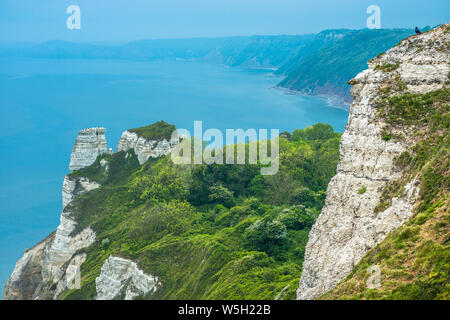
(105, 243)
(362, 190)
(220, 194)
(264, 234)
(387, 67)
(297, 218)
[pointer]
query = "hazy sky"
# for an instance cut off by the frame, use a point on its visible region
(125, 20)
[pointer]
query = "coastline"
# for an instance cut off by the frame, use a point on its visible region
(333, 100)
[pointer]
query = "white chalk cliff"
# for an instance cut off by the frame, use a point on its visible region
(348, 226)
(52, 261)
(53, 265)
(89, 145)
(145, 148)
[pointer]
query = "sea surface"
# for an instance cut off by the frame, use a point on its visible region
(45, 102)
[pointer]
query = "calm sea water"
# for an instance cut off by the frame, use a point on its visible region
(44, 103)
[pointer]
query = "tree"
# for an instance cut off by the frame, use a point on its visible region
(297, 218)
(220, 194)
(162, 184)
(264, 233)
(319, 131)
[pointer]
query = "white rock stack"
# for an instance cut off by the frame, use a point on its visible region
(89, 145)
(348, 227)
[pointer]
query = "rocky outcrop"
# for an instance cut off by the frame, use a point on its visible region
(348, 226)
(50, 262)
(27, 274)
(145, 148)
(89, 145)
(61, 250)
(121, 279)
(74, 187)
(72, 276)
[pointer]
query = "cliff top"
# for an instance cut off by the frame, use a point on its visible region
(98, 130)
(160, 130)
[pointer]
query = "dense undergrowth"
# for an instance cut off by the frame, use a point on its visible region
(208, 231)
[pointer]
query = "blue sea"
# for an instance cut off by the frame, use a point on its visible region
(45, 102)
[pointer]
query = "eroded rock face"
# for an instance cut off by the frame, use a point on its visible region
(143, 148)
(62, 248)
(72, 276)
(74, 187)
(51, 260)
(89, 145)
(27, 274)
(348, 227)
(121, 279)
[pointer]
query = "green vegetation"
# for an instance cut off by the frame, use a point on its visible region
(362, 190)
(158, 131)
(117, 169)
(429, 109)
(429, 115)
(209, 231)
(387, 67)
(414, 262)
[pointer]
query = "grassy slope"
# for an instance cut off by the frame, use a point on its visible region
(160, 130)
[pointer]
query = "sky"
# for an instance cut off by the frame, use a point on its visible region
(127, 20)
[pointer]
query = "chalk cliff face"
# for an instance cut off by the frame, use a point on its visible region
(121, 278)
(145, 148)
(53, 265)
(52, 261)
(27, 274)
(74, 187)
(348, 226)
(89, 145)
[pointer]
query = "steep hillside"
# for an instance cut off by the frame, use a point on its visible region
(258, 51)
(324, 66)
(323, 39)
(135, 225)
(394, 168)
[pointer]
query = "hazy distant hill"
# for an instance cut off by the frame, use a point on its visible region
(318, 64)
(323, 39)
(255, 51)
(324, 66)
